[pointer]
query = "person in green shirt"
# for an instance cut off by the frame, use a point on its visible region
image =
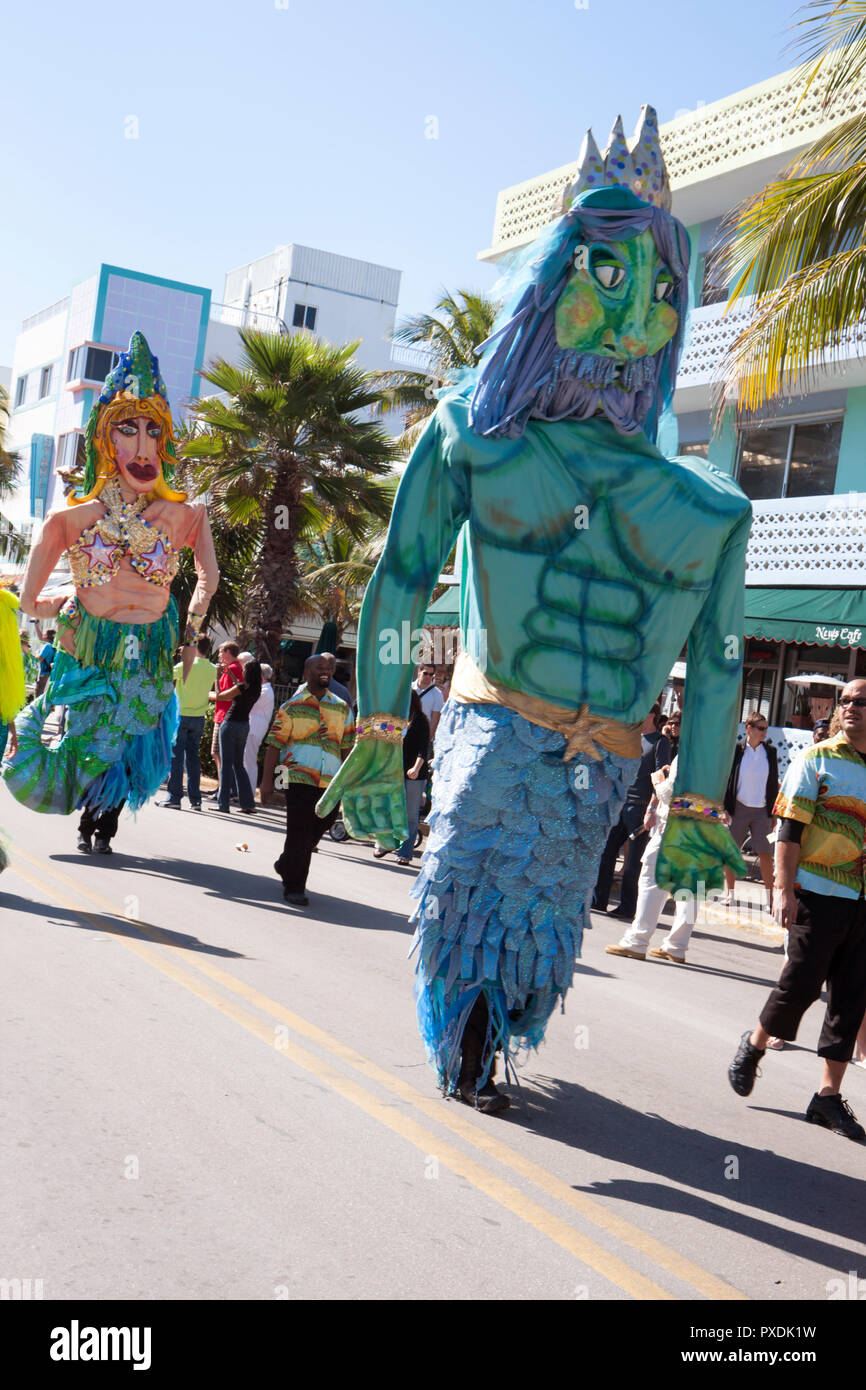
(192, 694)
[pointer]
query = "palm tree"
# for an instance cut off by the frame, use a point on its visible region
(799, 246)
(336, 566)
(282, 444)
(451, 336)
(235, 548)
(13, 545)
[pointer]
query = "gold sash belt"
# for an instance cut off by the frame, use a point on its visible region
(582, 730)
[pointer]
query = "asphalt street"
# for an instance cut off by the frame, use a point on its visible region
(211, 1095)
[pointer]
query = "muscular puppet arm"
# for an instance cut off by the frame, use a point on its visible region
(431, 505)
(43, 560)
(200, 539)
(694, 849)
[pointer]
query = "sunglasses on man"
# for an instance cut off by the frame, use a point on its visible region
(857, 700)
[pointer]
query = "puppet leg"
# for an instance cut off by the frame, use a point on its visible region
(515, 839)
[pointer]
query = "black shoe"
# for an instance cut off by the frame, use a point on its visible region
(175, 805)
(489, 1099)
(196, 805)
(835, 1113)
(296, 899)
(219, 808)
(744, 1068)
(621, 913)
(84, 846)
(101, 845)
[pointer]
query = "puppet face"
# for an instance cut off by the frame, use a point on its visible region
(135, 443)
(615, 304)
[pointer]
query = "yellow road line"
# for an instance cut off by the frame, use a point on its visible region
(587, 1251)
(701, 1280)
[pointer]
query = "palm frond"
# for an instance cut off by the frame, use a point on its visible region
(809, 323)
(831, 43)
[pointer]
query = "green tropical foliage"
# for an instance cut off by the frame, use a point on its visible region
(799, 245)
(451, 335)
(284, 447)
(336, 566)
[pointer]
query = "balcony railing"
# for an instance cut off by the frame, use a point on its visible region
(768, 121)
(236, 317)
(44, 314)
(808, 540)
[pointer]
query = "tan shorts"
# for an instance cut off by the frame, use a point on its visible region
(215, 742)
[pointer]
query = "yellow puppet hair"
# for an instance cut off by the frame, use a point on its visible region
(12, 692)
(114, 413)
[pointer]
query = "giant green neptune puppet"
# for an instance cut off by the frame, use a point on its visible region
(117, 636)
(589, 559)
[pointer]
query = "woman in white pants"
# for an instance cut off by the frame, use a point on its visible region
(261, 716)
(650, 899)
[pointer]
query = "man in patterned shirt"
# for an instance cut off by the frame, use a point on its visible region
(311, 735)
(819, 898)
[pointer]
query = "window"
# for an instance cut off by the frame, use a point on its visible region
(789, 460)
(304, 317)
(46, 381)
(20, 391)
(87, 363)
(713, 289)
(71, 451)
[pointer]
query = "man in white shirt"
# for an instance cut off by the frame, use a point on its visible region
(430, 695)
(751, 793)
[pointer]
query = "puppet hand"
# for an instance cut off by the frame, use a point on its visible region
(692, 853)
(370, 786)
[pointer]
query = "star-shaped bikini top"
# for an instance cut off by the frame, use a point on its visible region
(95, 557)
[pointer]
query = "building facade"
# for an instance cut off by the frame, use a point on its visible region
(803, 462)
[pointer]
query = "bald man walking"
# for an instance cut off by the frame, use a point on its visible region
(311, 735)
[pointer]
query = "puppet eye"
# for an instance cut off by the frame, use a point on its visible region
(664, 286)
(609, 276)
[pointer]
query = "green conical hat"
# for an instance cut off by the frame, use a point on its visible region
(135, 376)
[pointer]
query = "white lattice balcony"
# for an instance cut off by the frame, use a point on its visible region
(808, 541)
(715, 155)
(711, 332)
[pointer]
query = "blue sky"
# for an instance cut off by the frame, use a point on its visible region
(266, 121)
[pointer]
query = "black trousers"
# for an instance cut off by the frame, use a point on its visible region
(304, 830)
(631, 869)
(827, 943)
(102, 824)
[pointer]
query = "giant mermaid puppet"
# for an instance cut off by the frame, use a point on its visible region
(117, 636)
(588, 560)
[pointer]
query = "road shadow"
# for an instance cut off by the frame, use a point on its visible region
(339, 912)
(675, 1201)
(789, 1189)
(750, 942)
(87, 919)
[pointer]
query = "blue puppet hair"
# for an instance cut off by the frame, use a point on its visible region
(524, 373)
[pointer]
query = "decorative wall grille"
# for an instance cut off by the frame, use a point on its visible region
(739, 130)
(810, 540)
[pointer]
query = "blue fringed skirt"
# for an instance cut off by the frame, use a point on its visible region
(121, 716)
(515, 840)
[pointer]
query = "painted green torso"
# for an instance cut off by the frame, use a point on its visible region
(613, 552)
(589, 560)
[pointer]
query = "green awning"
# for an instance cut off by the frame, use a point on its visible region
(818, 617)
(445, 610)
